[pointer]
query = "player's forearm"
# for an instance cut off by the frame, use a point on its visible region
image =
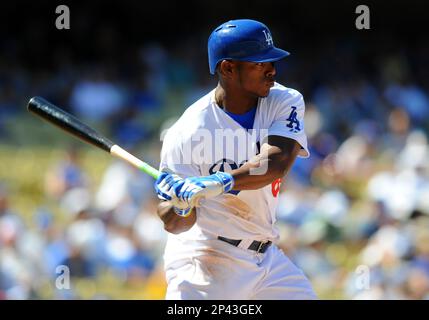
(251, 176)
(174, 223)
(264, 168)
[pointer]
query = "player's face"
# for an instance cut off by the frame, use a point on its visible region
(256, 77)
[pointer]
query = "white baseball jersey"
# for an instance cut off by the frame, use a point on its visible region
(205, 139)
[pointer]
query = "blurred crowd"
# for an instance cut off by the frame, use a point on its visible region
(113, 231)
(354, 216)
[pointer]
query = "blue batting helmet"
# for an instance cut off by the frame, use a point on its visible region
(243, 40)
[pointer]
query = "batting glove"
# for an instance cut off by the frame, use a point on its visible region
(191, 190)
(165, 191)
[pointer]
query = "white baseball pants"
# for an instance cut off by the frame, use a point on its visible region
(213, 269)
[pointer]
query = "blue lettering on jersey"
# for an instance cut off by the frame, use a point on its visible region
(226, 165)
(223, 164)
(292, 120)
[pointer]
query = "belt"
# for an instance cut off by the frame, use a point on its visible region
(258, 246)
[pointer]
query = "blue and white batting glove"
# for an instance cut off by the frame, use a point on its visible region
(165, 191)
(191, 190)
(185, 194)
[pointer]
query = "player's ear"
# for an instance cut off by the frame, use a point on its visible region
(226, 68)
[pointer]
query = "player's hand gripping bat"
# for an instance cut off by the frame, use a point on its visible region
(74, 126)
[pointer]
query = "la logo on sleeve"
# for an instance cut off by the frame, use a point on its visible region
(293, 122)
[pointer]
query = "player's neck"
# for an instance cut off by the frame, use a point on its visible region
(234, 102)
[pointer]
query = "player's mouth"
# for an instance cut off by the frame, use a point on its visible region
(270, 82)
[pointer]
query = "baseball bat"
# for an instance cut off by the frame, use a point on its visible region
(77, 128)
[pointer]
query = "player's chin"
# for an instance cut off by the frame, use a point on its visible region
(264, 93)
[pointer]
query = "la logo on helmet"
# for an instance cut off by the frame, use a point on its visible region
(268, 37)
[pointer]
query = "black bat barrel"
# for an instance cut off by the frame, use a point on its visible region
(68, 122)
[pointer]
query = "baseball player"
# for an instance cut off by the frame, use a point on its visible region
(222, 164)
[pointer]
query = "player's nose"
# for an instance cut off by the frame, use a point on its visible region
(271, 70)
